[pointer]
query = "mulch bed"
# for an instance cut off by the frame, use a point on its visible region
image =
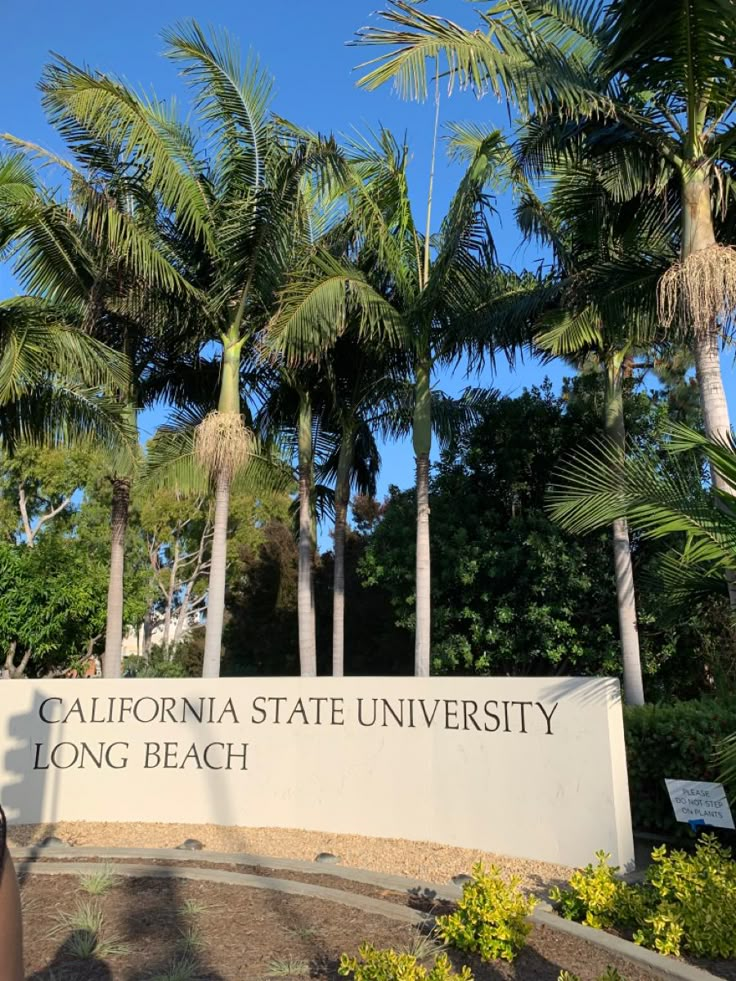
(242, 932)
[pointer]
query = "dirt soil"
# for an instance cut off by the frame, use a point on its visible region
(232, 933)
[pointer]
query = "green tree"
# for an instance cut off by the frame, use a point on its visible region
(232, 193)
(644, 89)
(95, 252)
(598, 308)
(432, 295)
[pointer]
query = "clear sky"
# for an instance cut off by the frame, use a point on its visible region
(303, 44)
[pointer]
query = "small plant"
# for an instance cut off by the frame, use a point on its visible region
(592, 895)
(100, 882)
(183, 968)
(695, 901)
(85, 924)
(288, 967)
(390, 965)
(191, 940)
(423, 947)
(491, 918)
(194, 907)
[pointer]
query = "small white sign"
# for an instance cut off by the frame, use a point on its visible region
(695, 800)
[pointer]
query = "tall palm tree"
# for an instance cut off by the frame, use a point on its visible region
(641, 87)
(432, 294)
(232, 195)
(97, 251)
(599, 305)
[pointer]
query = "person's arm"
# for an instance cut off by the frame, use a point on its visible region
(11, 927)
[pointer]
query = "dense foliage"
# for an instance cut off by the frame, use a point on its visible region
(491, 919)
(686, 904)
(675, 740)
(512, 592)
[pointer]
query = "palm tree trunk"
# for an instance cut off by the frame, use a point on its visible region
(305, 595)
(623, 566)
(216, 588)
(422, 446)
(342, 500)
(113, 654)
(229, 403)
(698, 233)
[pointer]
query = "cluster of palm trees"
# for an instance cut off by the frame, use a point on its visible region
(276, 289)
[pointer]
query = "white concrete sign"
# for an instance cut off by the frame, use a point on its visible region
(699, 801)
(531, 767)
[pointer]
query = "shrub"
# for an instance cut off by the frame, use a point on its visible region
(687, 902)
(592, 896)
(390, 965)
(491, 917)
(678, 740)
(695, 901)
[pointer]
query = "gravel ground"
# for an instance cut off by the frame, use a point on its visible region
(424, 860)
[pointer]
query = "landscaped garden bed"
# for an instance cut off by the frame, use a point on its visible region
(181, 930)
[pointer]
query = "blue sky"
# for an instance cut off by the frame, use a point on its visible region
(302, 43)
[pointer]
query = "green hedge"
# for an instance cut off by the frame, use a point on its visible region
(675, 740)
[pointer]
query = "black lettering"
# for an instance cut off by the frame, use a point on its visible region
(231, 755)
(41, 707)
(521, 713)
(229, 710)
(36, 764)
(167, 708)
(399, 719)
(108, 758)
(260, 709)
(548, 718)
(450, 712)
(319, 707)
(55, 753)
(189, 707)
(429, 718)
(360, 712)
(191, 753)
(468, 714)
(338, 706)
(279, 700)
(298, 710)
(205, 756)
(93, 717)
(152, 750)
(137, 707)
(491, 715)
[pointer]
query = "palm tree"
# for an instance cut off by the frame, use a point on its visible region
(432, 295)
(97, 252)
(661, 494)
(646, 89)
(55, 380)
(599, 305)
(232, 196)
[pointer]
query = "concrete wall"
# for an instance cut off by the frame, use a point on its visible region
(527, 767)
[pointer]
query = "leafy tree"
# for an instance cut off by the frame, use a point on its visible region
(645, 90)
(515, 594)
(232, 196)
(597, 307)
(430, 292)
